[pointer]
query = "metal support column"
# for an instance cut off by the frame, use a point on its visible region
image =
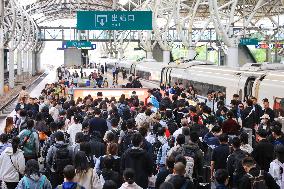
(1, 48)
(11, 69)
(191, 53)
(166, 56)
(1, 60)
(19, 62)
(233, 57)
(33, 63)
(25, 63)
(30, 62)
(149, 55)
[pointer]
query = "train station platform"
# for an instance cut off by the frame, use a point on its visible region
(36, 88)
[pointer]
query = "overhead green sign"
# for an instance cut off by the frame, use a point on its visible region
(249, 41)
(114, 20)
(78, 44)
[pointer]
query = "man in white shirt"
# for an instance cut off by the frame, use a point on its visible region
(74, 128)
(184, 124)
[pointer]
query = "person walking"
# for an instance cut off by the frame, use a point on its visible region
(12, 164)
(85, 175)
(33, 178)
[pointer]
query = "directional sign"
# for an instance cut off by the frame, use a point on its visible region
(249, 41)
(269, 46)
(114, 20)
(79, 44)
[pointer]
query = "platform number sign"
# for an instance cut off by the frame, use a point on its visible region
(114, 20)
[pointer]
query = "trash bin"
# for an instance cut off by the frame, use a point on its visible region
(6, 88)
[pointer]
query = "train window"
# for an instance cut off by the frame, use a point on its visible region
(201, 88)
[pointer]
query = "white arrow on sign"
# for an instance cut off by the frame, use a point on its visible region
(102, 19)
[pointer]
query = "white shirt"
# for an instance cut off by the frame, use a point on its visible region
(274, 171)
(177, 132)
(73, 130)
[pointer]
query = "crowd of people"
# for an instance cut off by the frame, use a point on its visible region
(160, 142)
(98, 76)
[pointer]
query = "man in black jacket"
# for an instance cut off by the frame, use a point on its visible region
(267, 109)
(234, 163)
(178, 180)
(253, 172)
(257, 109)
(139, 160)
(248, 117)
(263, 152)
(98, 126)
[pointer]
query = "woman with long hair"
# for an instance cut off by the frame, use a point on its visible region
(33, 178)
(85, 175)
(9, 126)
(12, 164)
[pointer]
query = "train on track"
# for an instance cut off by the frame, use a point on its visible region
(261, 80)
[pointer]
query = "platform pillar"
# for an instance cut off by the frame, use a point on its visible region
(191, 53)
(166, 56)
(30, 62)
(233, 57)
(19, 62)
(11, 69)
(33, 63)
(25, 63)
(149, 55)
(1, 59)
(37, 62)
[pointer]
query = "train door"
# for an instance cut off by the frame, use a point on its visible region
(256, 85)
(166, 75)
(248, 89)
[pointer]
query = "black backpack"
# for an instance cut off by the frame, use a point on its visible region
(126, 141)
(258, 182)
(238, 168)
(61, 158)
(124, 111)
(116, 134)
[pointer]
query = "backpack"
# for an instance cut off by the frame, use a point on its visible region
(104, 114)
(76, 187)
(155, 102)
(238, 168)
(61, 158)
(126, 141)
(156, 147)
(185, 184)
(116, 134)
(41, 182)
(115, 164)
(189, 155)
(258, 182)
(123, 111)
(28, 143)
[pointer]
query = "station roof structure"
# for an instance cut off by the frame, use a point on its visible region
(49, 10)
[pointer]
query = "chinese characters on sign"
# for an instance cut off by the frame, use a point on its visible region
(114, 20)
